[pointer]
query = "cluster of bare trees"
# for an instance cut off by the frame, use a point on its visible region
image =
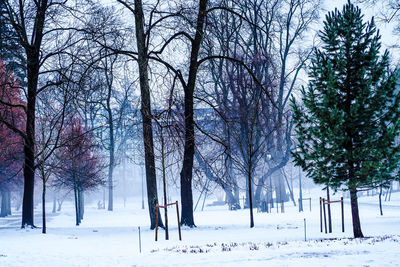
(239, 61)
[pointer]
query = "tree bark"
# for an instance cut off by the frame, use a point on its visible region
(81, 205)
(354, 214)
(76, 206)
(251, 200)
(328, 197)
(151, 180)
(111, 149)
(188, 154)
(33, 65)
(3, 212)
(44, 208)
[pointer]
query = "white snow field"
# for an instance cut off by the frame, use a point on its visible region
(221, 238)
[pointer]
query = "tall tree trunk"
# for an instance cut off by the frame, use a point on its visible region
(76, 206)
(44, 208)
(81, 205)
(8, 202)
(124, 177)
(188, 155)
(111, 150)
(3, 212)
(328, 197)
(29, 146)
(354, 214)
(33, 65)
(250, 199)
(164, 177)
(110, 181)
(151, 180)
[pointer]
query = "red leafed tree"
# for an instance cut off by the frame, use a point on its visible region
(80, 168)
(12, 119)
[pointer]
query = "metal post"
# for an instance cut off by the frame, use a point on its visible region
(323, 205)
(320, 212)
(142, 187)
(179, 223)
(305, 230)
(341, 202)
(156, 220)
(301, 193)
(140, 241)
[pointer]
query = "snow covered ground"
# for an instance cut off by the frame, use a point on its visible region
(221, 238)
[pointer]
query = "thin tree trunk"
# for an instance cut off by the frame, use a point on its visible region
(329, 210)
(355, 214)
(111, 150)
(44, 208)
(54, 204)
(76, 206)
(110, 183)
(164, 183)
(250, 200)
(151, 180)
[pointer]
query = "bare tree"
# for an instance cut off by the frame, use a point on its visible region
(44, 35)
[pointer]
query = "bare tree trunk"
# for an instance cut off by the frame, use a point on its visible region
(110, 182)
(250, 200)
(29, 148)
(3, 212)
(151, 180)
(188, 154)
(111, 148)
(44, 208)
(33, 65)
(355, 214)
(9, 203)
(54, 203)
(76, 206)
(81, 205)
(329, 210)
(164, 183)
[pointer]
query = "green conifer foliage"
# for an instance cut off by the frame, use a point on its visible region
(349, 117)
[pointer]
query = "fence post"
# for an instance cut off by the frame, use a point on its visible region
(140, 241)
(179, 223)
(320, 211)
(323, 204)
(156, 220)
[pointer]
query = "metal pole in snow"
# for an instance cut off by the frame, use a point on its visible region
(140, 241)
(305, 230)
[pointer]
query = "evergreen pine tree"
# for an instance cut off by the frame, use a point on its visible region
(349, 119)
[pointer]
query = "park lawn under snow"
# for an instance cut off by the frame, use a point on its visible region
(221, 238)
